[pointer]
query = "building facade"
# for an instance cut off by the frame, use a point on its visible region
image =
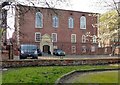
(72, 31)
(3, 23)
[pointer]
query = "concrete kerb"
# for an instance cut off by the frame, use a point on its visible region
(60, 81)
(0, 68)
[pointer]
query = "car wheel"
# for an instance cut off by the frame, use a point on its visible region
(34, 57)
(22, 57)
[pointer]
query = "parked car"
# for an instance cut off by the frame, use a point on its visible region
(39, 52)
(28, 50)
(59, 52)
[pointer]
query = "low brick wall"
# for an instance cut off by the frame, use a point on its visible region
(24, 63)
(4, 55)
(104, 51)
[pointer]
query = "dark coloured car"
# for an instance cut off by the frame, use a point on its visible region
(39, 52)
(59, 52)
(28, 50)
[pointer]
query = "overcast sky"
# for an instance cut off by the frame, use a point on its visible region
(96, 6)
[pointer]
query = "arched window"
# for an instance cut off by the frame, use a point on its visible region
(55, 21)
(70, 22)
(83, 22)
(39, 20)
(94, 39)
(83, 39)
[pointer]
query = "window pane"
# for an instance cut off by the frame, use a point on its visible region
(92, 48)
(70, 22)
(54, 37)
(39, 20)
(73, 38)
(84, 49)
(83, 22)
(37, 37)
(73, 49)
(55, 21)
(83, 39)
(94, 39)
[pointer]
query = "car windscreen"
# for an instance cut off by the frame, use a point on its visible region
(59, 51)
(29, 47)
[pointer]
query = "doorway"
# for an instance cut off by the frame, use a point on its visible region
(46, 44)
(46, 49)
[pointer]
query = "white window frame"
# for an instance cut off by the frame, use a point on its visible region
(36, 36)
(52, 37)
(55, 21)
(94, 39)
(37, 23)
(73, 49)
(83, 22)
(83, 39)
(73, 40)
(70, 22)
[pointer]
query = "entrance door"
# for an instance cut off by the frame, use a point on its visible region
(46, 49)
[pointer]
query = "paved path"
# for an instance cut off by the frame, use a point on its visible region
(73, 57)
(77, 57)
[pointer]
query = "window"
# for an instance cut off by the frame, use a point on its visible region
(92, 48)
(70, 22)
(54, 37)
(84, 49)
(83, 39)
(94, 39)
(83, 22)
(106, 50)
(37, 37)
(55, 47)
(55, 21)
(73, 49)
(73, 38)
(39, 20)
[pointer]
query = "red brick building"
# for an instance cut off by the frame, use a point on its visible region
(72, 31)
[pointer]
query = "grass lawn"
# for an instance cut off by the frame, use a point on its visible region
(98, 77)
(0, 77)
(47, 74)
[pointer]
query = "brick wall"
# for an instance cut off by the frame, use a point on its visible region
(23, 63)
(27, 27)
(104, 50)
